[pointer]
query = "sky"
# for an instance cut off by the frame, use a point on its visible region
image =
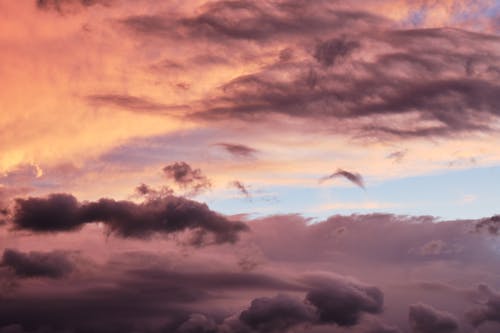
(237, 166)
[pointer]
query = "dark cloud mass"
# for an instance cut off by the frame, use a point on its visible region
(491, 225)
(354, 178)
(240, 20)
(425, 319)
(488, 308)
(277, 313)
(187, 178)
(362, 78)
(37, 264)
(294, 289)
(342, 302)
(164, 215)
(113, 88)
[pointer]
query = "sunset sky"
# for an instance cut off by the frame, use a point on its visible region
(239, 166)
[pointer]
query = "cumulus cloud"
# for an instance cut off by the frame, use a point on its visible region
(53, 264)
(342, 301)
(277, 314)
(161, 215)
(297, 286)
(426, 319)
(187, 178)
(353, 177)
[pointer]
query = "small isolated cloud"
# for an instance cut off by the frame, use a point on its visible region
(397, 156)
(353, 177)
(187, 178)
(241, 188)
(238, 150)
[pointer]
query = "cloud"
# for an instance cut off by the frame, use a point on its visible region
(238, 150)
(54, 265)
(241, 188)
(65, 6)
(355, 178)
(426, 319)
(277, 314)
(404, 85)
(398, 155)
(329, 52)
(436, 247)
(491, 225)
(162, 215)
(187, 178)
(150, 193)
(118, 306)
(305, 282)
(226, 21)
(198, 323)
(342, 301)
(134, 103)
(488, 308)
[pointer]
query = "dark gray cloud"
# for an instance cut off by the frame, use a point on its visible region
(198, 323)
(329, 52)
(364, 78)
(491, 225)
(150, 193)
(133, 103)
(208, 294)
(226, 21)
(163, 215)
(187, 178)
(353, 177)
(488, 309)
(277, 314)
(158, 300)
(428, 83)
(342, 301)
(426, 319)
(133, 303)
(53, 265)
(238, 150)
